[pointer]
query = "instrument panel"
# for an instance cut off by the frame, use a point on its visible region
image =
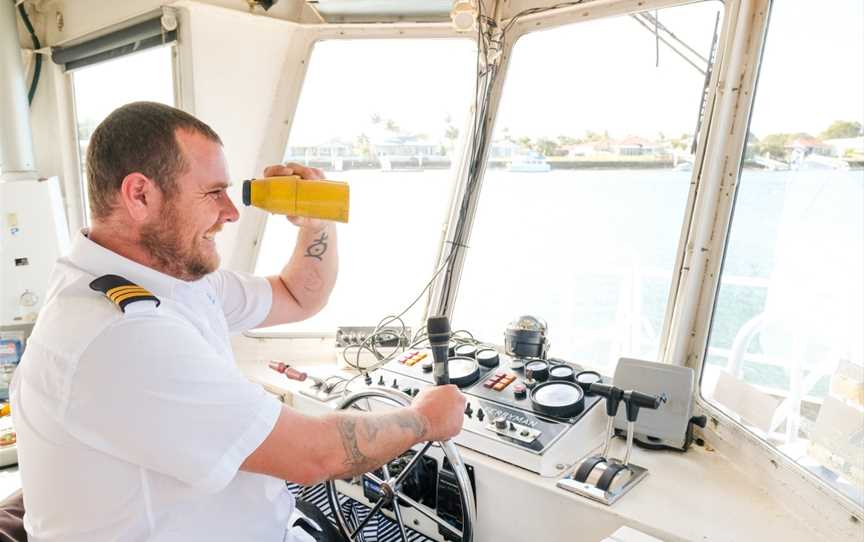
(518, 410)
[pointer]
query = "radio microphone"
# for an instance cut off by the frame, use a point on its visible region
(438, 329)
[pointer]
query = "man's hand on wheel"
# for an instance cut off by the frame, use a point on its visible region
(443, 409)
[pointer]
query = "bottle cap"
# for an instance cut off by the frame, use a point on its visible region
(247, 192)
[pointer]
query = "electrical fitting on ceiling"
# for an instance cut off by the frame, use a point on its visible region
(464, 15)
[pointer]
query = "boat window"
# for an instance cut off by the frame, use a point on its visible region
(587, 183)
(101, 88)
(785, 351)
(384, 116)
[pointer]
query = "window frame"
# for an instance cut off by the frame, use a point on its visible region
(572, 16)
(741, 443)
(75, 181)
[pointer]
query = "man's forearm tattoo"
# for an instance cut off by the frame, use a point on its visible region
(411, 423)
(371, 427)
(318, 247)
(354, 458)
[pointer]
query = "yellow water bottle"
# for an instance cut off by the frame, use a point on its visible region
(291, 195)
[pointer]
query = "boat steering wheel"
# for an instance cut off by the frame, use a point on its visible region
(390, 491)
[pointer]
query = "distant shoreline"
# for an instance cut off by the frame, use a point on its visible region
(554, 163)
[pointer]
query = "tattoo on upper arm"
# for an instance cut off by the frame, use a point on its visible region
(318, 247)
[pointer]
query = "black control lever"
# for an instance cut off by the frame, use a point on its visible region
(612, 394)
(613, 397)
(634, 400)
(609, 468)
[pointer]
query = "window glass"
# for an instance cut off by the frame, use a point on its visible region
(785, 351)
(102, 88)
(384, 116)
(587, 182)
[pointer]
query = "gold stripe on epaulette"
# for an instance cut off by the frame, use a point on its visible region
(130, 295)
(139, 291)
(123, 289)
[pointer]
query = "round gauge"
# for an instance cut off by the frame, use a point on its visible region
(558, 398)
(465, 351)
(562, 372)
(463, 371)
(487, 357)
(538, 369)
(559, 361)
(517, 364)
(586, 378)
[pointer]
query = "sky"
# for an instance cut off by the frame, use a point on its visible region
(598, 75)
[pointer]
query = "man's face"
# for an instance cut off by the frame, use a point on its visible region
(181, 238)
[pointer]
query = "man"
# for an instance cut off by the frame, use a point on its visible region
(133, 420)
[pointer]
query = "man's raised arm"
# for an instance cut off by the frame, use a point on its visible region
(303, 286)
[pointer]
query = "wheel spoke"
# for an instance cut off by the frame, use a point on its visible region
(423, 509)
(390, 491)
(411, 464)
(372, 477)
(336, 507)
(399, 520)
(363, 523)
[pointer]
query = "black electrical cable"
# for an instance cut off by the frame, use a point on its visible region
(37, 67)
(486, 72)
(370, 343)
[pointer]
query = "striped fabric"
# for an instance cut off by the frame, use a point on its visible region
(379, 528)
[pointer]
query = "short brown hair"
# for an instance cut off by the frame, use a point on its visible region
(138, 137)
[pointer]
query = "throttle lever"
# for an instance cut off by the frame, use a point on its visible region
(634, 400)
(613, 397)
(612, 394)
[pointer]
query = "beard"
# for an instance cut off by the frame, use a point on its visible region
(174, 254)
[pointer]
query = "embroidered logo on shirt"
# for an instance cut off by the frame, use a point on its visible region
(121, 291)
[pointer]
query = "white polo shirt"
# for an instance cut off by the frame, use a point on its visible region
(132, 426)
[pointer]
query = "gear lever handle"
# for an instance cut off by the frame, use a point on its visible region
(612, 394)
(635, 400)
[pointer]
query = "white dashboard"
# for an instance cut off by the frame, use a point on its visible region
(693, 495)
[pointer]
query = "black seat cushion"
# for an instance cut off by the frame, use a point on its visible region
(328, 532)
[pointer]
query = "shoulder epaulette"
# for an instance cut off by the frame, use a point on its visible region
(121, 291)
